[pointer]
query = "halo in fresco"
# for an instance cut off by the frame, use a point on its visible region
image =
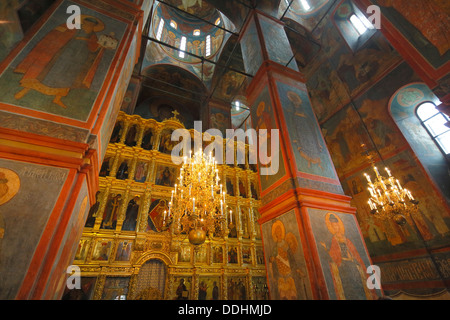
(332, 230)
(9, 185)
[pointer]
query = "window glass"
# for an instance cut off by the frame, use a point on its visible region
(434, 121)
(358, 24)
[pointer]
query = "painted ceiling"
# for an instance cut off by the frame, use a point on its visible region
(222, 72)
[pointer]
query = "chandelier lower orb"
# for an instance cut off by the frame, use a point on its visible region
(197, 207)
(389, 200)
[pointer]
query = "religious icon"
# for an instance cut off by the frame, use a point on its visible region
(115, 136)
(230, 189)
(253, 190)
(236, 288)
(101, 251)
(166, 145)
(233, 255)
(246, 255)
(217, 254)
(185, 254)
(64, 59)
(165, 176)
(129, 224)
(122, 172)
(115, 288)
(182, 292)
(111, 212)
(104, 170)
(147, 140)
(83, 247)
(124, 250)
(92, 215)
(156, 215)
(130, 139)
(242, 190)
(141, 172)
(209, 288)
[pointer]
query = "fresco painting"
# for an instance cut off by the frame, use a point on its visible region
(403, 107)
(220, 119)
(157, 53)
(423, 24)
(309, 148)
(288, 277)
(28, 194)
(251, 49)
(263, 118)
(131, 95)
(386, 237)
(358, 70)
(275, 40)
(307, 18)
(327, 91)
(342, 255)
(58, 72)
(230, 85)
(432, 220)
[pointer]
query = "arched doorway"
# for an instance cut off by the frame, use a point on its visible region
(151, 280)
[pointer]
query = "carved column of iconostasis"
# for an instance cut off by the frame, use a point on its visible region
(313, 246)
(60, 92)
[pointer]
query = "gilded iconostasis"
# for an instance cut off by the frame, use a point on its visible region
(123, 252)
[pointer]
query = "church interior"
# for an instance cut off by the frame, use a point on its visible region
(349, 97)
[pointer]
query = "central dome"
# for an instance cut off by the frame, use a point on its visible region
(189, 32)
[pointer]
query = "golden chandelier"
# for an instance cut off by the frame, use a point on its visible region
(197, 206)
(389, 200)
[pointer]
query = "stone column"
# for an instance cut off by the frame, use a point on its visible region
(305, 216)
(54, 132)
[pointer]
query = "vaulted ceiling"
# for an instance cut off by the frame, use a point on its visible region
(222, 70)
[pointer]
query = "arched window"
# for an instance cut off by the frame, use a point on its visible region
(353, 25)
(182, 47)
(208, 45)
(160, 29)
(434, 122)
